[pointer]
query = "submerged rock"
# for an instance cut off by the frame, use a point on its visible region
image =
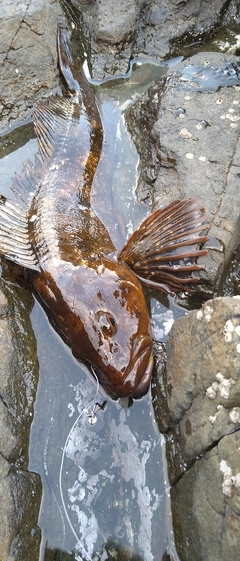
(201, 393)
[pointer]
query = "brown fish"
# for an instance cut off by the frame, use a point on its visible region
(92, 293)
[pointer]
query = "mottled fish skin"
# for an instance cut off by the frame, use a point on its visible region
(91, 295)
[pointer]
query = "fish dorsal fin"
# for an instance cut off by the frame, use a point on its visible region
(52, 119)
(15, 241)
(163, 250)
(25, 183)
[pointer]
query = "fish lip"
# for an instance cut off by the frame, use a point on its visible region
(127, 386)
(143, 350)
(143, 385)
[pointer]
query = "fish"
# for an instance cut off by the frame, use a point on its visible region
(91, 291)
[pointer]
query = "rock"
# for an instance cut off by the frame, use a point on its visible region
(20, 491)
(110, 22)
(164, 24)
(116, 22)
(201, 383)
(209, 491)
(186, 154)
(20, 498)
(158, 27)
(201, 392)
(202, 163)
(27, 55)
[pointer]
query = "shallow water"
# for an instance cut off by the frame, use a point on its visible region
(103, 471)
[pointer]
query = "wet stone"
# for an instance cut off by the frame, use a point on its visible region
(199, 389)
(20, 491)
(209, 491)
(151, 28)
(197, 141)
(116, 23)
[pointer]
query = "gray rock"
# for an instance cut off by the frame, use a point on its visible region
(28, 56)
(158, 27)
(202, 384)
(204, 164)
(20, 491)
(192, 149)
(164, 24)
(200, 394)
(109, 21)
(206, 506)
(116, 22)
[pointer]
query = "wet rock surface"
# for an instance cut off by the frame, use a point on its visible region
(200, 395)
(158, 27)
(20, 491)
(192, 149)
(188, 140)
(198, 134)
(205, 505)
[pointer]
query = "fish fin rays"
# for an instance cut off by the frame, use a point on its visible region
(163, 250)
(25, 183)
(51, 121)
(15, 242)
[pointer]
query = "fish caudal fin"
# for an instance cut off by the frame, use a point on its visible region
(163, 250)
(15, 242)
(69, 70)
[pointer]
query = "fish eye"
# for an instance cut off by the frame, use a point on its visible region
(107, 323)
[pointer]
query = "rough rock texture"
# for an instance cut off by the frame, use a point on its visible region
(198, 135)
(158, 27)
(192, 148)
(169, 22)
(206, 506)
(19, 490)
(201, 394)
(116, 22)
(28, 56)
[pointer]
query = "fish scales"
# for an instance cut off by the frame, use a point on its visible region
(91, 292)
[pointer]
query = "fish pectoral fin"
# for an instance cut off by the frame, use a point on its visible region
(15, 242)
(163, 250)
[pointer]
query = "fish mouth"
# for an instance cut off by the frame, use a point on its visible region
(137, 376)
(141, 362)
(143, 385)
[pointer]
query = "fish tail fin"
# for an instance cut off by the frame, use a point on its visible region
(163, 250)
(15, 243)
(71, 69)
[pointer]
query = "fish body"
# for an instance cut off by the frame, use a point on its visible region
(90, 291)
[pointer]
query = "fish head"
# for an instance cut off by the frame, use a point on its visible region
(107, 326)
